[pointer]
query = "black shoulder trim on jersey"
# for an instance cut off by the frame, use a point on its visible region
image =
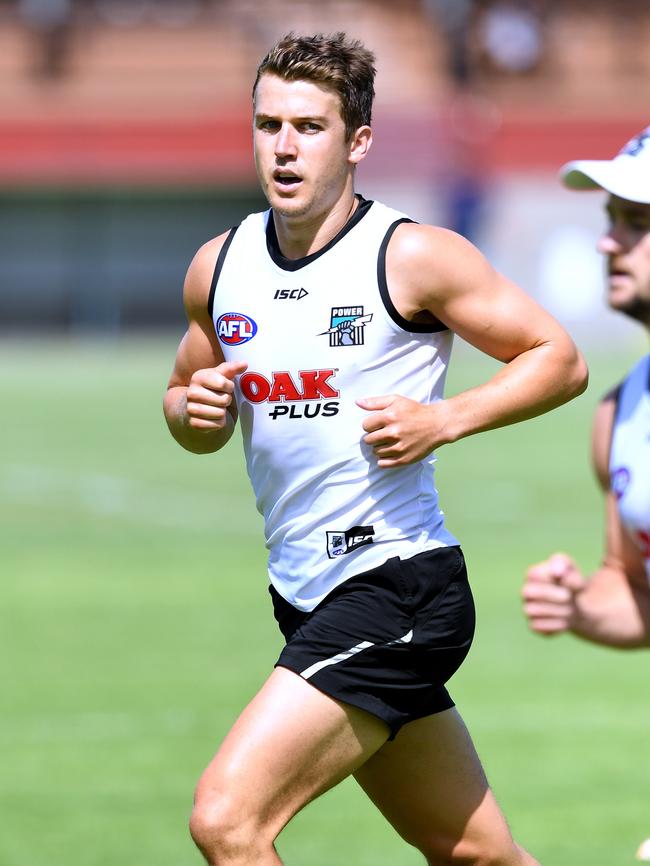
(414, 327)
(218, 268)
(286, 264)
(614, 394)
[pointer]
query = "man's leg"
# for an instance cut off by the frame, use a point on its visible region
(290, 744)
(430, 785)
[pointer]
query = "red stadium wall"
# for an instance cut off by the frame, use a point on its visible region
(219, 153)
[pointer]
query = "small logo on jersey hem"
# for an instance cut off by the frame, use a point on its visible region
(235, 329)
(290, 294)
(347, 326)
(340, 542)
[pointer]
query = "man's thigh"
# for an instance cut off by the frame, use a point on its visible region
(289, 745)
(430, 785)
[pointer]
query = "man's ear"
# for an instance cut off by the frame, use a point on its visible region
(360, 144)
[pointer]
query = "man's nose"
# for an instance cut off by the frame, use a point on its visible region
(612, 241)
(285, 142)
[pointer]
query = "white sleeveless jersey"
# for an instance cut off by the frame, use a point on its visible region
(318, 333)
(629, 461)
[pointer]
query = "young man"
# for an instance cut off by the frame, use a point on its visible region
(325, 326)
(612, 607)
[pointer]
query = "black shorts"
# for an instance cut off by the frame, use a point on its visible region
(386, 640)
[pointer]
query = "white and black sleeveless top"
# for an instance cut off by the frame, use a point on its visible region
(318, 333)
(629, 460)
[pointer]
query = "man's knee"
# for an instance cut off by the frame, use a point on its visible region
(498, 851)
(225, 833)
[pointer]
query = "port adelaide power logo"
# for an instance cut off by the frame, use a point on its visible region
(347, 325)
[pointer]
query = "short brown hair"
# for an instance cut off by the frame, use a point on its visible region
(339, 63)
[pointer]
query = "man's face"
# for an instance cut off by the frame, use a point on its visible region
(302, 156)
(626, 244)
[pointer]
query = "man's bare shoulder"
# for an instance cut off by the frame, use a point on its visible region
(436, 262)
(601, 438)
(200, 272)
(422, 240)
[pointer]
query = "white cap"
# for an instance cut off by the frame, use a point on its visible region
(627, 175)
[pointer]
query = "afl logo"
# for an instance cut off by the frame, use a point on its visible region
(234, 329)
(620, 478)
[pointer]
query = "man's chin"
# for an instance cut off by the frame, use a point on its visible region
(288, 207)
(633, 307)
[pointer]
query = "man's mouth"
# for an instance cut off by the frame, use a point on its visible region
(615, 270)
(619, 278)
(286, 178)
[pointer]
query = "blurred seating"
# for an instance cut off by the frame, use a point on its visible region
(167, 58)
(163, 58)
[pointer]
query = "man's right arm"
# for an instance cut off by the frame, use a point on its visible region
(612, 606)
(198, 403)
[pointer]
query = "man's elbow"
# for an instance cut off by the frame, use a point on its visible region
(570, 371)
(577, 375)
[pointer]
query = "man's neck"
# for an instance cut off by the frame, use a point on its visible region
(299, 237)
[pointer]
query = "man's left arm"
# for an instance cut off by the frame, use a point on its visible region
(437, 272)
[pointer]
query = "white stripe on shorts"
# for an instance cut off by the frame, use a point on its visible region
(341, 657)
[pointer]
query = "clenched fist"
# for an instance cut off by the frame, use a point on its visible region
(210, 393)
(400, 430)
(550, 593)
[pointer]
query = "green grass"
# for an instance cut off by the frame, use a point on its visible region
(135, 624)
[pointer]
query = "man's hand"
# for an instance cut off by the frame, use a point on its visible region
(210, 393)
(400, 430)
(550, 593)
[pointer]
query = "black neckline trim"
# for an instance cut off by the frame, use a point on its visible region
(406, 325)
(217, 269)
(286, 264)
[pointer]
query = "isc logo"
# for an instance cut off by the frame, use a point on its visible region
(290, 294)
(233, 329)
(312, 385)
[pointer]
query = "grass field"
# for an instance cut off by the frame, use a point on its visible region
(135, 624)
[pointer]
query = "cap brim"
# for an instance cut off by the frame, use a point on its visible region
(615, 176)
(583, 174)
